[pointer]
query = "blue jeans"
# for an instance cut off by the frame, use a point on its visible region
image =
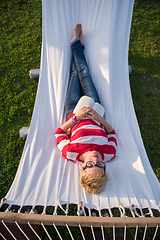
(80, 82)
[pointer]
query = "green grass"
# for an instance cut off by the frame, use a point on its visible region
(20, 51)
(21, 33)
(144, 56)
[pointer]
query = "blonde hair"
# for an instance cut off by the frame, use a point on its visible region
(92, 183)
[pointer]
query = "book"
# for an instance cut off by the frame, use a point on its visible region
(86, 101)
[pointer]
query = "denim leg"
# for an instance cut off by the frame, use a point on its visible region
(83, 71)
(74, 89)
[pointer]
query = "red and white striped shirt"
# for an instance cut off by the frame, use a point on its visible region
(86, 135)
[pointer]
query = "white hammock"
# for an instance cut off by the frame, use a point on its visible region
(44, 177)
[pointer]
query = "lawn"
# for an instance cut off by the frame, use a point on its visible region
(21, 34)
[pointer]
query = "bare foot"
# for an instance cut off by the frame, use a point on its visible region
(77, 32)
(81, 36)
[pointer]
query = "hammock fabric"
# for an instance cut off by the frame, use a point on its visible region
(43, 175)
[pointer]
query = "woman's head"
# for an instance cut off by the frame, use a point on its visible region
(93, 176)
(93, 183)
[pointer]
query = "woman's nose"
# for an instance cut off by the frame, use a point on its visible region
(95, 159)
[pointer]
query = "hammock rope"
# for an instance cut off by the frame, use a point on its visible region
(140, 221)
(33, 231)
(21, 230)
(8, 230)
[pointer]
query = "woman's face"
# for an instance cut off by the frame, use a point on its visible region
(95, 157)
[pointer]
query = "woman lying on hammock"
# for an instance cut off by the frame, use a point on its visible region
(89, 143)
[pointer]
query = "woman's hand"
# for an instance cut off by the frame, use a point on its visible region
(87, 113)
(94, 115)
(83, 113)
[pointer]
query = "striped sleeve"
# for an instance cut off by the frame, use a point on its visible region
(62, 141)
(112, 141)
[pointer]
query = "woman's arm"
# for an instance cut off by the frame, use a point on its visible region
(105, 124)
(67, 125)
(95, 116)
(81, 114)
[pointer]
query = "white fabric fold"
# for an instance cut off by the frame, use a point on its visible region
(43, 175)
